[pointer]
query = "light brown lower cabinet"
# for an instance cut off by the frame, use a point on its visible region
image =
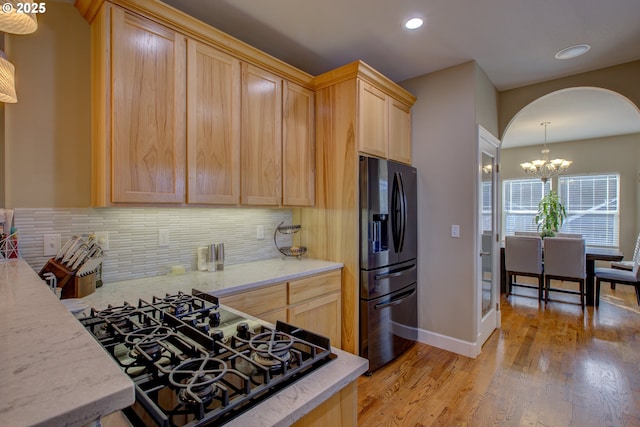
(312, 303)
(315, 304)
(340, 410)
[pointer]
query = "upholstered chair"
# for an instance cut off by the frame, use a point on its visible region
(623, 277)
(564, 259)
(523, 257)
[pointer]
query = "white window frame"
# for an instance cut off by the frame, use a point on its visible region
(526, 224)
(591, 220)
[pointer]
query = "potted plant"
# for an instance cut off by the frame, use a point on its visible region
(550, 215)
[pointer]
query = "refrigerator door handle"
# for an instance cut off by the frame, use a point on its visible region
(397, 218)
(399, 208)
(403, 205)
(396, 300)
(395, 273)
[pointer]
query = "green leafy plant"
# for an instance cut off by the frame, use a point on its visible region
(551, 214)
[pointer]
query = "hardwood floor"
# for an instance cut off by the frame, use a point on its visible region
(546, 366)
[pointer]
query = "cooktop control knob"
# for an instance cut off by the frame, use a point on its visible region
(203, 327)
(214, 319)
(243, 330)
(217, 335)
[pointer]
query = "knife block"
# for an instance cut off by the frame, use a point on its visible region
(63, 275)
(80, 287)
(72, 285)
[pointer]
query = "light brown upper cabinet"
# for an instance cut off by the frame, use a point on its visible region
(146, 132)
(261, 146)
(384, 124)
(298, 146)
(399, 131)
(373, 123)
(277, 148)
(213, 125)
(182, 113)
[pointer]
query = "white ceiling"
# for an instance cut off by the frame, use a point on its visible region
(513, 41)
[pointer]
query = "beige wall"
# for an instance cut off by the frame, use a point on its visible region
(47, 133)
(445, 154)
(617, 154)
(486, 103)
(623, 79)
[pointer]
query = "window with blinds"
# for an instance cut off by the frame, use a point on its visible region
(592, 205)
(520, 200)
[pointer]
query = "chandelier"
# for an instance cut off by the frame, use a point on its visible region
(545, 168)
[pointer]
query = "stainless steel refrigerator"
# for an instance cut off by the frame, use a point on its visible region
(388, 252)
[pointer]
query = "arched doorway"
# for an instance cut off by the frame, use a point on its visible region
(597, 128)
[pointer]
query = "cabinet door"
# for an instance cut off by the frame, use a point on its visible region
(261, 146)
(373, 129)
(399, 132)
(320, 315)
(213, 125)
(148, 111)
(298, 145)
(258, 301)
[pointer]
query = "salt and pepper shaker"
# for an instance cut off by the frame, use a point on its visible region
(219, 256)
(211, 258)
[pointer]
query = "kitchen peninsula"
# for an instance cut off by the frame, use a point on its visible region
(104, 388)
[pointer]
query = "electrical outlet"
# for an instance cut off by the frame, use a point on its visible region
(455, 231)
(163, 238)
(260, 232)
(102, 237)
(51, 244)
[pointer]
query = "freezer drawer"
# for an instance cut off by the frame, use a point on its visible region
(388, 326)
(386, 280)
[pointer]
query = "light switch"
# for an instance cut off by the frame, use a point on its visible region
(455, 231)
(51, 244)
(163, 238)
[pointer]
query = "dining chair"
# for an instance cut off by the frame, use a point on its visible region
(626, 264)
(570, 235)
(523, 257)
(526, 233)
(564, 259)
(623, 277)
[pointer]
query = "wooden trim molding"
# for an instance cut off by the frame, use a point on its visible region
(365, 72)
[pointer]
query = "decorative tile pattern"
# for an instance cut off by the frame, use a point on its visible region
(133, 235)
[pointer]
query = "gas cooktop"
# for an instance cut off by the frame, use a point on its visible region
(195, 363)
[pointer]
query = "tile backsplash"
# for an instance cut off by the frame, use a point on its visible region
(133, 235)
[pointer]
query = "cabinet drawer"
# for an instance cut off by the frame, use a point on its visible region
(311, 287)
(258, 301)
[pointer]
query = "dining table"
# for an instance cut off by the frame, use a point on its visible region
(592, 254)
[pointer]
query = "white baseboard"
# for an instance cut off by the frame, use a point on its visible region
(454, 345)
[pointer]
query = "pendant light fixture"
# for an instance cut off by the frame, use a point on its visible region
(7, 80)
(16, 17)
(19, 17)
(545, 168)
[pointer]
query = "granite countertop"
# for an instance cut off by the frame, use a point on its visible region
(234, 278)
(53, 372)
(295, 400)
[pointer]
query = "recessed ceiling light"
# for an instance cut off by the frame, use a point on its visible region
(573, 51)
(413, 23)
